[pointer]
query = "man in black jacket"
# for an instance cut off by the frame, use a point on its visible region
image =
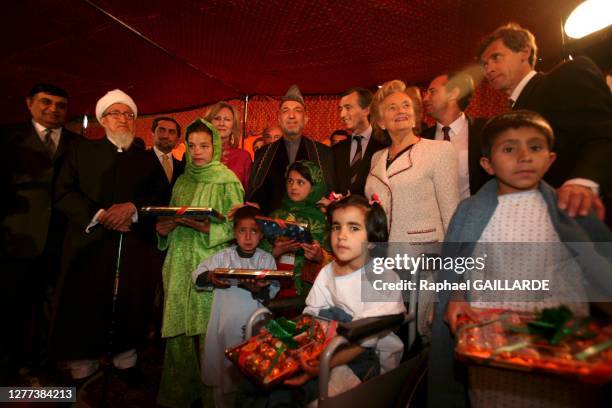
(352, 156)
(445, 100)
(573, 98)
(31, 230)
(166, 134)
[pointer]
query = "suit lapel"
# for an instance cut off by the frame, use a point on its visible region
(344, 154)
(525, 97)
(61, 147)
(343, 165)
(379, 169)
(401, 163)
(32, 141)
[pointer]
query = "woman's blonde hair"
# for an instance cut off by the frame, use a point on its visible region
(397, 86)
(236, 129)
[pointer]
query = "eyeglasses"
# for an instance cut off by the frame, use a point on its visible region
(116, 114)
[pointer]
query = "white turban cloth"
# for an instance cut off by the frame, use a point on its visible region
(112, 97)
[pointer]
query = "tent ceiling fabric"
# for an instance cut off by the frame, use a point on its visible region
(173, 55)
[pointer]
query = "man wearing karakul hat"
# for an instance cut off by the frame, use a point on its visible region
(267, 182)
(99, 189)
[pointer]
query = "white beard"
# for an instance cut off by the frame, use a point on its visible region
(123, 140)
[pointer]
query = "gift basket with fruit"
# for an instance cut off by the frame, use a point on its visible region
(274, 354)
(550, 341)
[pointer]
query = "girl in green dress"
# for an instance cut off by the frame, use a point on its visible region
(206, 182)
(305, 188)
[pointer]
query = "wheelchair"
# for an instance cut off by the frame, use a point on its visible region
(404, 386)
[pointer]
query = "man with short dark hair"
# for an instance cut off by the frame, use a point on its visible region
(31, 231)
(267, 183)
(166, 134)
(352, 156)
(445, 100)
(271, 134)
(573, 98)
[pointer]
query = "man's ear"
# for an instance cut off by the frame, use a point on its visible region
(525, 54)
(485, 163)
(305, 119)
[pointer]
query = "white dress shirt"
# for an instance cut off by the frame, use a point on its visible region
(521, 85)
(459, 138)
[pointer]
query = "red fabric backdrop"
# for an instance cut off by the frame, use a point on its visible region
(322, 112)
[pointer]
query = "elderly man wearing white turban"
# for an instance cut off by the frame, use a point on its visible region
(99, 189)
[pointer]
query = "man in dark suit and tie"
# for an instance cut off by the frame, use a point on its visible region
(574, 98)
(166, 133)
(445, 100)
(352, 156)
(31, 230)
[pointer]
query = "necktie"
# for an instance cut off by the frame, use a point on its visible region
(166, 166)
(356, 158)
(446, 132)
(49, 144)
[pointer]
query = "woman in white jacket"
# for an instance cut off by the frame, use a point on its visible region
(416, 180)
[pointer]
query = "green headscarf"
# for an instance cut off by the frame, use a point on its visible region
(214, 172)
(306, 211)
(307, 208)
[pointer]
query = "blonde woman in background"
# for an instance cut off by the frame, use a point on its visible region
(225, 119)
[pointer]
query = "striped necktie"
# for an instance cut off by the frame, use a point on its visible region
(49, 144)
(356, 158)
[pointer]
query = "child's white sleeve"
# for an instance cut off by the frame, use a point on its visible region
(208, 264)
(319, 296)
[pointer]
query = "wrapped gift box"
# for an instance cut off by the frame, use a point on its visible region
(579, 348)
(273, 355)
(197, 213)
(234, 276)
(274, 228)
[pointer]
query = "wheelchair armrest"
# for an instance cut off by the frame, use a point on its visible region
(280, 305)
(359, 329)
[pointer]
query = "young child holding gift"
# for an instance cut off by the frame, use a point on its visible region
(337, 294)
(305, 187)
(516, 206)
(232, 305)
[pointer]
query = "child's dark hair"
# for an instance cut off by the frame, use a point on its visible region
(301, 169)
(514, 120)
(248, 211)
(195, 127)
(375, 217)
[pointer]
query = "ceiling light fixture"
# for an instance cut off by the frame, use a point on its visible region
(588, 17)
